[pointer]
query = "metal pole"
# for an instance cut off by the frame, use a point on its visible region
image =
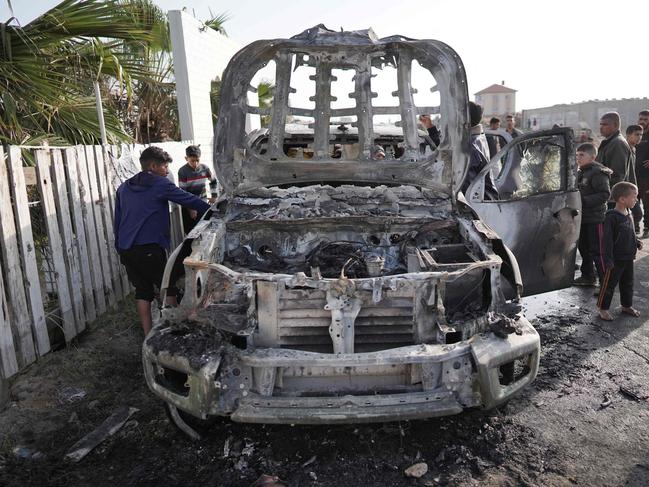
(100, 114)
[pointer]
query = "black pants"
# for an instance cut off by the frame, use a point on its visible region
(620, 275)
(643, 195)
(590, 245)
(145, 266)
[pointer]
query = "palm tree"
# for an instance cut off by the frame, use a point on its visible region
(49, 66)
(216, 22)
(265, 94)
(48, 69)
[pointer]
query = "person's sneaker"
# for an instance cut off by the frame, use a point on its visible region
(584, 281)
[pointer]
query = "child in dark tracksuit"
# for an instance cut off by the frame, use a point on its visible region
(620, 247)
(594, 188)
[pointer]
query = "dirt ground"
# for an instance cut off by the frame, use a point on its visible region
(584, 421)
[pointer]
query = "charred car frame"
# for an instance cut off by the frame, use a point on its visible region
(326, 286)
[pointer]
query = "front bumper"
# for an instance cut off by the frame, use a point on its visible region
(268, 385)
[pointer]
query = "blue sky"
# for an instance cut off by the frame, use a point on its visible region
(555, 51)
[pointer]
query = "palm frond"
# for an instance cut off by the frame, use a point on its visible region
(216, 22)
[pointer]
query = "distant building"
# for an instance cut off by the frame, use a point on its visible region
(496, 100)
(583, 117)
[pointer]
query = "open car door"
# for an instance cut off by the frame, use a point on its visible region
(538, 211)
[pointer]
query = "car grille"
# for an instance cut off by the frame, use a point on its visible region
(303, 323)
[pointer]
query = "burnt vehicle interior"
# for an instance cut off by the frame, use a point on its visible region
(343, 143)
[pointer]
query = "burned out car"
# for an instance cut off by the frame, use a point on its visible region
(327, 285)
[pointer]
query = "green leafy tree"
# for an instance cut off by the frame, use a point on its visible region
(265, 93)
(48, 69)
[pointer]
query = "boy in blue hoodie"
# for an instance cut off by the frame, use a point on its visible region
(142, 235)
(620, 247)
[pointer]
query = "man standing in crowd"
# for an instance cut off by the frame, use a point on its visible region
(479, 154)
(642, 167)
(511, 127)
(633, 137)
(614, 151)
(192, 178)
(142, 227)
(643, 121)
(494, 140)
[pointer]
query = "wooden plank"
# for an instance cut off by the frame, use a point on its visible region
(29, 173)
(28, 250)
(110, 158)
(99, 223)
(8, 359)
(107, 213)
(78, 223)
(91, 232)
(108, 428)
(13, 273)
(56, 245)
(70, 246)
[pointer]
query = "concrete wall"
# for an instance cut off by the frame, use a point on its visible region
(583, 116)
(200, 55)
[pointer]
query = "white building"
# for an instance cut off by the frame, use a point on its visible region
(200, 55)
(584, 117)
(497, 100)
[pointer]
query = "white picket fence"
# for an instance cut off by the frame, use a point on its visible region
(58, 266)
(59, 269)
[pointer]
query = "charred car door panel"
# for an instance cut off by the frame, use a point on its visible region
(538, 212)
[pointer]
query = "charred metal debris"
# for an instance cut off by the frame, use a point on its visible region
(337, 288)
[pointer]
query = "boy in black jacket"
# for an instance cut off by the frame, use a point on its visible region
(594, 188)
(620, 247)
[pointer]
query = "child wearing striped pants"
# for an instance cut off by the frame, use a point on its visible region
(620, 247)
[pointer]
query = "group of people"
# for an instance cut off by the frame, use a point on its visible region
(612, 180)
(608, 180)
(142, 229)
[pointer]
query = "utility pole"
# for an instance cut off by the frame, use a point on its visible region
(100, 114)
